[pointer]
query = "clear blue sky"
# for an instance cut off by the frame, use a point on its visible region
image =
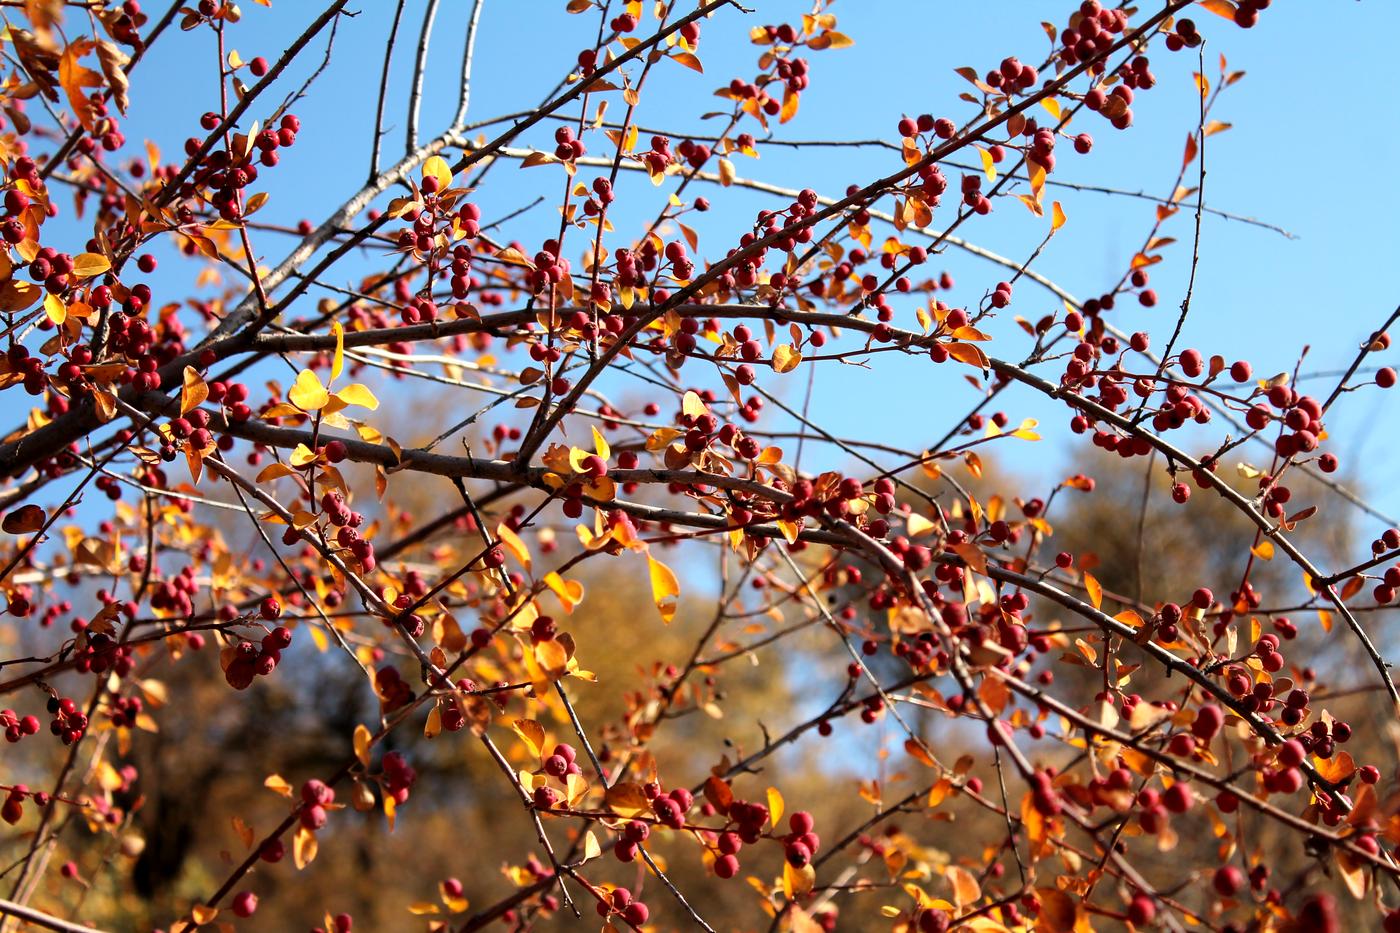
(1312, 147)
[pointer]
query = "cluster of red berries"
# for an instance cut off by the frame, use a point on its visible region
(398, 776)
(106, 132)
(17, 203)
(1013, 77)
(620, 903)
(1183, 36)
(12, 811)
(550, 267)
(601, 197)
(68, 723)
(568, 147)
(559, 765)
(101, 654)
(228, 174)
(52, 269)
(394, 692)
(316, 796)
(1301, 416)
(250, 660)
(1090, 33)
(125, 24)
(347, 523)
(1247, 12)
(17, 727)
(123, 711)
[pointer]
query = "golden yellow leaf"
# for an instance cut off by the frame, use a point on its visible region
(726, 172)
(627, 800)
(533, 735)
(338, 361)
(511, 541)
(304, 847)
(692, 405)
(193, 392)
(55, 308)
(358, 394)
(363, 738)
(86, 265)
(437, 167)
(988, 166)
(966, 890)
(278, 784)
(307, 393)
(1057, 216)
(775, 806)
(664, 589)
(785, 358)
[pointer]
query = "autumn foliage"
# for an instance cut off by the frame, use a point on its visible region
(506, 547)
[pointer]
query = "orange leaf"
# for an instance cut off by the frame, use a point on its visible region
(1095, 589)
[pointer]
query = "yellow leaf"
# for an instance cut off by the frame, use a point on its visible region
(726, 173)
(591, 849)
(918, 526)
(422, 908)
(204, 914)
(1052, 105)
(437, 167)
(785, 358)
(358, 394)
(1095, 589)
(1057, 216)
(1264, 550)
(338, 362)
(512, 543)
(627, 800)
(988, 165)
(86, 265)
(692, 405)
(55, 309)
(278, 784)
(798, 881)
(965, 887)
(533, 735)
(570, 592)
(303, 847)
(664, 589)
(307, 393)
(600, 445)
(362, 743)
(775, 806)
(193, 392)
(302, 455)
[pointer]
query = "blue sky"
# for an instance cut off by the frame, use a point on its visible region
(1258, 295)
